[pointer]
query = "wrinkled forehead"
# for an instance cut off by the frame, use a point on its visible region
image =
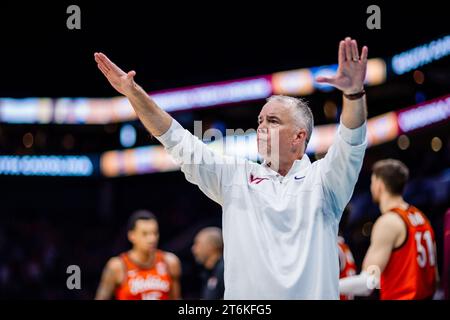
(276, 108)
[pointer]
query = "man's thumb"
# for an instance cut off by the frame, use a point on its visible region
(325, 80)
(131, 74)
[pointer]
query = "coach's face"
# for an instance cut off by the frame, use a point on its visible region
(278, 135)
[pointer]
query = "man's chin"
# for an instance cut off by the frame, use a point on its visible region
(151, 247)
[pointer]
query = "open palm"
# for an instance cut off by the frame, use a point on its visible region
(121, 81)
(351, 70)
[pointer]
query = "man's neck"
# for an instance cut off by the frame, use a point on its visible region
(388, 202)
(283, 167)
(142, 257)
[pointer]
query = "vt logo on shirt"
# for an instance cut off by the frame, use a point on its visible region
(256, 180)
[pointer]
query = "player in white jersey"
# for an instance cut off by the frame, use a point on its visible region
(280, 218)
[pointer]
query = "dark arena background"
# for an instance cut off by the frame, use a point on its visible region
(75, 161)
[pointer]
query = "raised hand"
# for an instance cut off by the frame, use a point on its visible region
(121, 81)
(352, 68)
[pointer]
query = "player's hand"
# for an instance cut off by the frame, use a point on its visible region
(352, 68)
(121, 81)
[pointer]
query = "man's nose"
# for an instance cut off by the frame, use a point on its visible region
(262, 128)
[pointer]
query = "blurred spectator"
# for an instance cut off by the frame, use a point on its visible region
(207, 249)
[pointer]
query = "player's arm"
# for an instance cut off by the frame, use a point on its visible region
(174, 265)
(109, 279)
(343, 161)
(385, 233)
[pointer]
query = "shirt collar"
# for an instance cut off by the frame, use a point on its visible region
(297, 166)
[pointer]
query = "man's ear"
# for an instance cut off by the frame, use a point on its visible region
(130, 235)
(300, 136)
(381, 185)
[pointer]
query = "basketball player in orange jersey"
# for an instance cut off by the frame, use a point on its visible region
(401, 259)
(144, 272)
(347, 266)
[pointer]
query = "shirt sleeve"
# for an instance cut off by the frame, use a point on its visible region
(341, 166)
(200, 165)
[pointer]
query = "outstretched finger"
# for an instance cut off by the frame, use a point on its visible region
(364, 54)
(108, 64)
(355, 53)
(103, 70)
(100, 61)
(341, 55)
(348, 49)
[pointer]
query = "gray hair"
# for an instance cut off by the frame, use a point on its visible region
(303, 115)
